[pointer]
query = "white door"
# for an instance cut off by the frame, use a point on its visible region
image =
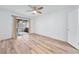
(73, 28)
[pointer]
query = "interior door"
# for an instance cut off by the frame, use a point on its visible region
(72, 28)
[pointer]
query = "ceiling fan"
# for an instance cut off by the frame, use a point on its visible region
(35, 9)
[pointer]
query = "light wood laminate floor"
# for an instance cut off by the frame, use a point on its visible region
(35, 44)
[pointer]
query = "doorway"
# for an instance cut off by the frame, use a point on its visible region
(21, 26)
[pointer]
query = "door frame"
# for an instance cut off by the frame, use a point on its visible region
(14, 36)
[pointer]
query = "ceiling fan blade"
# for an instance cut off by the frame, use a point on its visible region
(32, 7)
(39, 12)
(40, 8)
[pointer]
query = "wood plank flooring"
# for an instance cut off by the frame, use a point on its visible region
(35, 44)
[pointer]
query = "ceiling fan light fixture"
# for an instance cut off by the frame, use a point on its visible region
(36, 9)
(35, 12)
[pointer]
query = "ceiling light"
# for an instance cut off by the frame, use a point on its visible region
(35, 12)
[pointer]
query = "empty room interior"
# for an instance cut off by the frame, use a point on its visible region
(39, 29)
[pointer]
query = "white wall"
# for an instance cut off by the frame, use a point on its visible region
(78, 23)
(73, 28)
(52, 25)
(33, 23)
(5, 24)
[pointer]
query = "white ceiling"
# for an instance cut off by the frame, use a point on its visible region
(48, 9)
